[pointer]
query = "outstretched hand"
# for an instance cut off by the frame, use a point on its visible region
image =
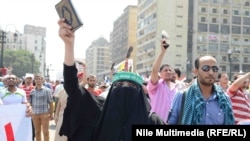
(65, 32)
(164, 43)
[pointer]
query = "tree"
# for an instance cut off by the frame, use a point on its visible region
(20, 61)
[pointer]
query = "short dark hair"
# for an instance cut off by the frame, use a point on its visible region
(219, 75)
(178, 72)
(164, 65)
(197, 62)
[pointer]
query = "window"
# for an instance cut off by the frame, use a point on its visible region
(203, 19)
(246, 21)
(247, 13)
(246, 30)
(236, 12)
(214, 10)
(236, 29)
(247, 3)
(236, 20)
(214, 28)
(213, 20)
(225, 11)
(224, 21)
(202, 27)
(203, 9)
(225, 29)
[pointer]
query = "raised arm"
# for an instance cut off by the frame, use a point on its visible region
(68, 37)
(156, 66)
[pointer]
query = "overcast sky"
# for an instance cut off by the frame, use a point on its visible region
(97, 16)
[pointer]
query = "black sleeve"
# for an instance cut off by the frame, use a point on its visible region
(70, 79)
(156, 120)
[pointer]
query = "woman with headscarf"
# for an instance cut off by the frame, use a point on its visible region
(125, 105)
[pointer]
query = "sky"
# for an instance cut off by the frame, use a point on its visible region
(97, 17)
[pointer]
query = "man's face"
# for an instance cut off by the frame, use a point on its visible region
(28, 80)
(92, 82)
(39, 80)
(166, 73)
(224, 79)
(207, 71)
(11, 80)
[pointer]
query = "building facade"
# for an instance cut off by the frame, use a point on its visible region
(153, 17)
(98, 58)
(123, 36)
(221, 28)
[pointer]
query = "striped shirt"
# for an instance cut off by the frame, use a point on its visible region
(241, 106)
(27, 90)
(17, 97)
(40, 100)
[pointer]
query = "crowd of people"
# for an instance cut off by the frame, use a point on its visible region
(84, 110)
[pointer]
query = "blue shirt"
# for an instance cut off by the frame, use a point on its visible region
(212, 113)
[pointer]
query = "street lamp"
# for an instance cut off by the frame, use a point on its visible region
(48, 69)
(229, 52)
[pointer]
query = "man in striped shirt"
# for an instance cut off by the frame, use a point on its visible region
(240, 102)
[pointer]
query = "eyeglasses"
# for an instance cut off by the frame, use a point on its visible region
(207, 68)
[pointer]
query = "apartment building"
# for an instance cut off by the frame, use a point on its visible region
(153, 17)
(123, 35)
(98, 58)
(220, 28)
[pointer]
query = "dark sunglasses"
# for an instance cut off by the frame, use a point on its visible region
(207, 68)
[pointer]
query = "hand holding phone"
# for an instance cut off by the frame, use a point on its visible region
(164, 35)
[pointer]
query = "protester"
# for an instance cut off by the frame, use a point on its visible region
(42, 102)
(28, 87)
(82, 109)
(92, 88)
(161, 90)
(237, 92)
(179, 84)
(126, 105)
(14, 95)
(61, 104)
(223, 81)
(204, 102)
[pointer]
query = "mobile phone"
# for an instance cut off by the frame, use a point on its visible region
(164, 35)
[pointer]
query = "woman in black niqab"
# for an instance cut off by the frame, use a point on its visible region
(125, 106)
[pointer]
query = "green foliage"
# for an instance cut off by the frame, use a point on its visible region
(21, 62)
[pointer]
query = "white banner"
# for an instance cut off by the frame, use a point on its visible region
(14, 125)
